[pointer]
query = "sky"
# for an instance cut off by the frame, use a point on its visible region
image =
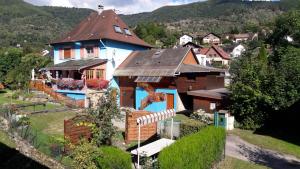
(122, 6)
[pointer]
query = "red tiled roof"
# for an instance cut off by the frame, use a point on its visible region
(219, 50)
(96, 27)
(203, 51)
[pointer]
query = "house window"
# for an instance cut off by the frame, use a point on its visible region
(89, 74)
(118, 29)
(89, 51)
(67, 53)
(127, 32)
(99, 74)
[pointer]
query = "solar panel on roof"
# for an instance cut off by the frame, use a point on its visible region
(149, 79)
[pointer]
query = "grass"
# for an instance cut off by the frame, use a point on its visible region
(185, 119)
(268, 142)
(5, 97)
(4, 139)
(49, 125)
(48, 106)
(233, 163)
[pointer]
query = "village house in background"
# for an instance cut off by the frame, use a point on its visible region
(238, 38)
(157, 80)
(87, 56)
(211, 38)
(214, 55)
(185, 39)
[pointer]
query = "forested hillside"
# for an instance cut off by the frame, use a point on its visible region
(219, 16)
(23, 23)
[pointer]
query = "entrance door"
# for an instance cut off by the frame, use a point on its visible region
(170, 101)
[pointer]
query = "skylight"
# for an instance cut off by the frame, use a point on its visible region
(118, 29)
(127, 32)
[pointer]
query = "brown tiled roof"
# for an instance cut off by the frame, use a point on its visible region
(96, 27)
(77, 64)
(157, 62)
(166, 62)
(185, 68)
(218, 49)
(242, 35)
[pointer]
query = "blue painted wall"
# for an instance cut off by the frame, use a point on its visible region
(140, 94)
(76, 95)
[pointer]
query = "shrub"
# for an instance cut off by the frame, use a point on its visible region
(190, 128)
(197, 151)
(97, 84)
(113, 158)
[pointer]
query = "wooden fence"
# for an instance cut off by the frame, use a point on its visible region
(77, 128)
(39, 85)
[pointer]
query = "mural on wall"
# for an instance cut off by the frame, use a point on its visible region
(152, 96)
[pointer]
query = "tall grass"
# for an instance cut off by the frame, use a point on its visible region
(196, 151)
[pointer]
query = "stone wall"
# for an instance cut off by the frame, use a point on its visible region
(131, 130)
(92, 97)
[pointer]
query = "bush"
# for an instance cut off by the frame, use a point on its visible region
(113, 158)
(190, 128)
(197, 151)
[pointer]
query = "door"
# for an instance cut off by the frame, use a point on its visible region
(170, 101)
(127, 98)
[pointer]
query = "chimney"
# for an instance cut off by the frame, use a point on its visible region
(100, 9)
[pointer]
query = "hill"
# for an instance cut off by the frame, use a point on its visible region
(23, 23)
(219, 16)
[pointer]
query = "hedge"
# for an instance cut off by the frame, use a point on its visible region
(190, 128)
(113, 158)
(196, 151)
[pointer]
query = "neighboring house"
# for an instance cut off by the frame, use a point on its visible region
(211, 38)
(237, 51)
(215, 54)
(156, 80)
(238, 38)
(185, 39)
(94, 49)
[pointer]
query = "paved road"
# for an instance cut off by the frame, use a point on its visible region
(238, 148)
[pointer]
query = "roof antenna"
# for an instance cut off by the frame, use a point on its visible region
(100, 9)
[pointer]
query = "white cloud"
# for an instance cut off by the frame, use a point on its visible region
(124, 6)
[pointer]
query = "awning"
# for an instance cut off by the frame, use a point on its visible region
(148, 79)
(77, 64)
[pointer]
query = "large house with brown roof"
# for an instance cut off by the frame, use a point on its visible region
(92, 51)
(156, 80)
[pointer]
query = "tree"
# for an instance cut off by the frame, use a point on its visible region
(266, 85)
(106, 110)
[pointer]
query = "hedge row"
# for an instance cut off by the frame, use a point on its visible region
(190, 128)
(113, 158)
(196, 151)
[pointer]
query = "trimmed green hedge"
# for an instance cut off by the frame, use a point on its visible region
(190, 128)
(113, 158)
(196, 151)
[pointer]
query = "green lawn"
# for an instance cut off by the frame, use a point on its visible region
(233, 163)
(268, 142)
(48, 125)
(48, 106)
(4, 139)
(185, 119)
(5, 97)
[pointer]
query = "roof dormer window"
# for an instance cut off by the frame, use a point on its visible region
(117, 29)
(127, 31)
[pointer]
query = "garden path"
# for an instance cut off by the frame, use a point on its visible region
(240, 149)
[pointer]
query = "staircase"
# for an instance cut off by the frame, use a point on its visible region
(40, 86)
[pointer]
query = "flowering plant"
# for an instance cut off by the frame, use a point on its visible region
(97, 84)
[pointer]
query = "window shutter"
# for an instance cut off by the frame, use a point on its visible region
(81, 53)
(72, 53)
(96, 51)
(61, 54)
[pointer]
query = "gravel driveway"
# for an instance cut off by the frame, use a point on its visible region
(240, 149)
